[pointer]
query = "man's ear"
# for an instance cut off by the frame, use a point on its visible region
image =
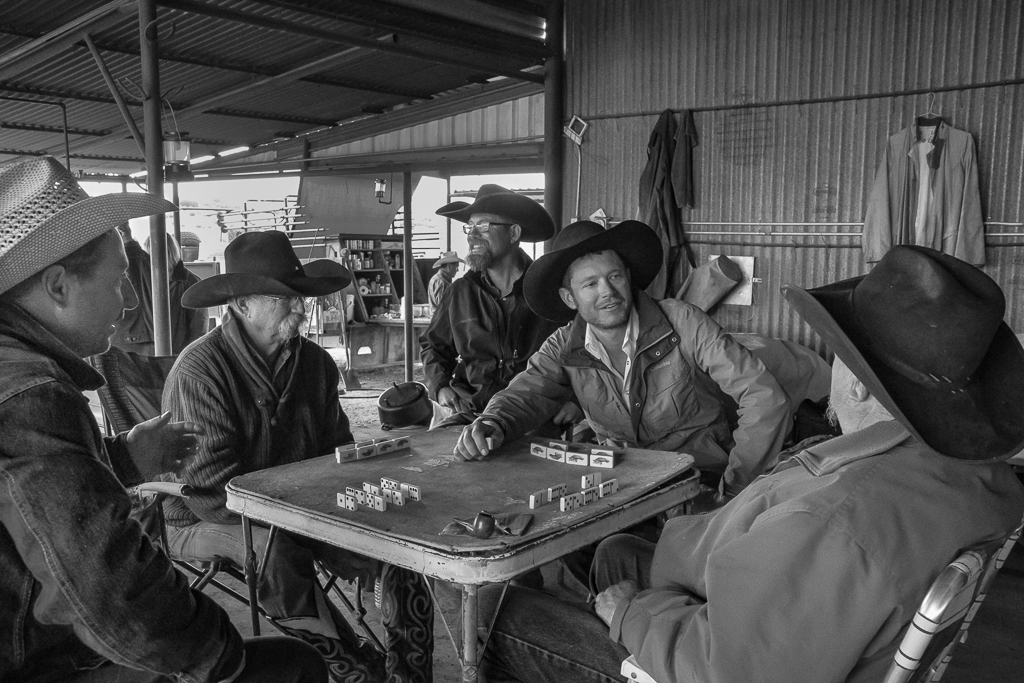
(514, 232)
(56, 284)
(567, 298)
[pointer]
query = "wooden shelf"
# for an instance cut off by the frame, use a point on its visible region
(366, 252)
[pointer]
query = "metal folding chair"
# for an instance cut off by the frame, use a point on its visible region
(946, 613)
(132, 394)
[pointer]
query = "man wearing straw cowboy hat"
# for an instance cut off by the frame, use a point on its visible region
(815, 571)
(267, 396)
(644, 372)
(447, 266)
(484, 332)
(84, 594)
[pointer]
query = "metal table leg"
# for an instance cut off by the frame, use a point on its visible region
(470, 661)
(250, 575)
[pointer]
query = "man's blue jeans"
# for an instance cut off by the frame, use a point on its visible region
(537, 638)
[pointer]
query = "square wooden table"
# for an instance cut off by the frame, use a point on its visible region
(302, 498)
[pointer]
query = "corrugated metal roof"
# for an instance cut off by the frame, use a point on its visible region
(246, 72)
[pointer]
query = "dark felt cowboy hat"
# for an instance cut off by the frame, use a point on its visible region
(924, 332)
(636, 243)
(265, 263)
(536, 223)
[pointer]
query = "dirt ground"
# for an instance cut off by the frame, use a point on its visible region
(360, 404)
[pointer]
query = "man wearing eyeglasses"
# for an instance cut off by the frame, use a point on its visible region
(266, 396)
(483, 333)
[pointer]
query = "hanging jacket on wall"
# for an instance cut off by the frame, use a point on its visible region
(659, 203)
(951, 221)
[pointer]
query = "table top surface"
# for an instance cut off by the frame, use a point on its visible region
(302, 497)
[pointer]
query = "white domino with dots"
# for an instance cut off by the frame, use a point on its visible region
(607, 488)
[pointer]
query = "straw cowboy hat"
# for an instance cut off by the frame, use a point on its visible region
(446, 258)
(45, 215)
(924, 333)
(265, 263)
(536, 223)
(636, 244)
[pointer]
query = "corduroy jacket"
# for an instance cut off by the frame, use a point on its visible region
(251, 421)
(80, 583)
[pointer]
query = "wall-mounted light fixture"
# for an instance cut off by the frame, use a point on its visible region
(380, 188)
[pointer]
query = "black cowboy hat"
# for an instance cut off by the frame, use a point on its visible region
(536, 223)
(265, 263)
(924, 333)
(637, 245)
(404, 405)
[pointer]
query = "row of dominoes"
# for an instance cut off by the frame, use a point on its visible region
(591, 488)
(390, 492)
(580, 454)
(588, 495)
(370, 448)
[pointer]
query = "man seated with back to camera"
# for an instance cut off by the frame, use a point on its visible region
(815, 571)
(267, 396)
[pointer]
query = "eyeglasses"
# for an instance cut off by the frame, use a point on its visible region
(482, 226)
(306, 301)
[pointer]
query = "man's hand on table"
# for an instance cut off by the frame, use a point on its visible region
(472, 444)
(165, 445)
(608, 599)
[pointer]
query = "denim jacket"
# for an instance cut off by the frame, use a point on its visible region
(80, 584)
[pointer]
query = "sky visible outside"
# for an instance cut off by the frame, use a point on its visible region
(201, 200)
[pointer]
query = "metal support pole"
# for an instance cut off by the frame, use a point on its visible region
(408, 264)
(177, 213)
(554, 107)
(155, 174)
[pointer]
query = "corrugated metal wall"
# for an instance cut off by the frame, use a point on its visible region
(866, 67)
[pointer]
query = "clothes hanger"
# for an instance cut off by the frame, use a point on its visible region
(931, 118)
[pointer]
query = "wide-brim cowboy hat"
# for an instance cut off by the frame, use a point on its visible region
(924, 333)
(636, 243)
(534, 220)
(45, 215)
(265, 263)
(446, 258)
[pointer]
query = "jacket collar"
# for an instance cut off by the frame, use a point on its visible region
(654, 327)
(17, 323)
(828, 456)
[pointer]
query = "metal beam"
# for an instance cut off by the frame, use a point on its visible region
(554, 107)
(286, 77)
(116, 93)
(417, 23)
(14, 125)
(451, 105)
(193, 7)
(250, 69)
(47, 46)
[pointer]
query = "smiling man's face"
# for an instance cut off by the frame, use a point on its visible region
(599, 289)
